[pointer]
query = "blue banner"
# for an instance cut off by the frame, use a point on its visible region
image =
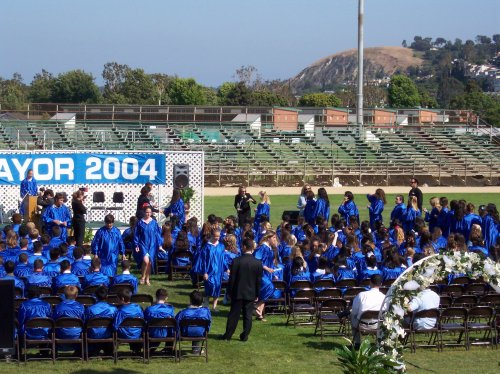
(83, 168)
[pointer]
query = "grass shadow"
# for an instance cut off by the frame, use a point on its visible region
(111, 371)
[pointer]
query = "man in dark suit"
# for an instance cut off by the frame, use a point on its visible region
(243, 289)
(242, 205)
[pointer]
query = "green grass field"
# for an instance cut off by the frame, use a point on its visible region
(272, 346)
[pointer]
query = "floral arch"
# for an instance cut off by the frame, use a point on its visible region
(420, 276)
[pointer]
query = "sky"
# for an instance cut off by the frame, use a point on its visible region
(209, 39)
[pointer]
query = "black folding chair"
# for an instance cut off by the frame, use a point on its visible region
(302, 308)
(203, 348)
(181, 271)
(169, 324)
(432, 332)
(116, 289)
(45, 344)
(90, 290)
(99, 323)
(466, 301)
(86, 300)
(52, 300)
(368, 328)
(67, 323)
(453, 321)
(278, 305)
(144, 300)
(132, 323)
(481, 319)
(328, 322)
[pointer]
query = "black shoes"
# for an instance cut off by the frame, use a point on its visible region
(223, 337)
(243, 338)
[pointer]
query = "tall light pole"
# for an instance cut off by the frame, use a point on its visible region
(359, 109)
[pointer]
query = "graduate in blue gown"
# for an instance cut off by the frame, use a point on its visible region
(265, 252)
(126, 277)
(176, 208)
(263, 209)
(490, 226)
(69, 308)
(212, 267)
(471, 218)
(79, 267)
(66, 278)
(432, 217)
(128, 310)
(95, 277)
(310, 208)
(411, 214)
(9, 267)
(35, 307)
(322, 207)
(128, 241)
(376, 207)
(147, 239)
(57, 215)
(348, 208)
(107, 245)
(101, 309)
(399, 209)
(159, 310)
(38, 278)
(28, 187)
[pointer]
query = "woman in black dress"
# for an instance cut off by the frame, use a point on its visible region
(79, 211)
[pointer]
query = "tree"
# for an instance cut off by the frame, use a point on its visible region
(374, 96)
(250, 76)
(186, 91)
(448, 88)
(42, 87)
(160, 83)
(13, 93)
(114, 76)
(320, 99)
(426, 100)
(137, 87)
(224, 90)
(403, 93)
(487, 107)
(75, 86)
(239, 95)
(439, 42)
(404, 44)
(267, 98)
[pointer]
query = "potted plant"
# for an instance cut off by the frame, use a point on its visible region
(187, 194)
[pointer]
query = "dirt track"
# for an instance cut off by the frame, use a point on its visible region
(227, 191)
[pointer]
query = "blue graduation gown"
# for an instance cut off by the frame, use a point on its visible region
(266, 255)
(62, 214)
(66, 279)
(80, 268)
(212, 258)
(102, 310)
(95, 278)
(345, 273)
(18, 283)
(128, 311)
(29, 187)
(471, 219)
(490, 231)
(375, 210)
(368, 272)
(432, 218)
(303, 275)
(52, 269)
(409, 218)
(392, 273)
(39, 279)
(32, 258)
(34, 308)
(441, 242)
(262, 209)
(126, 278)
(177, 209)
(107, 244)
(194, 313)
(159, 311)
(147, 237)
(309, 212)
(477, 248)
(322, 209)
(69, 308)
(23, 270)
(398, 212)
(228, 260)
(347, 210)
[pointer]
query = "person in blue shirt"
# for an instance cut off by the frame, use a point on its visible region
(176, 208)
(348, 208)
(79, 267)
(399, 209)
(322, 207)
(126, 277)
(66, 278)
(69, 308)
(53, 268)
(56, 239)
(343, 271)
(23, 269)
(442, 220)
(147, 240)
(95, 277)
(2, 269)
(371, 268)
(490, 226)
(101, 309)
(57, 215)
(471, 218)
(438, 240)
(432, 217)
(29, 187)
(37, 254)
(411, 214)
(212, 267)
(478, 247)
(9, 270)
(107, 245)
(322, 272)
(38, 278)
(310, 208)
(393, 266)
(12, 250)
(376, 207)
(128, 310)
(160, 310)
(263, 210)
(128, 241)
(34, 307)
(195, 310)
(63, 254)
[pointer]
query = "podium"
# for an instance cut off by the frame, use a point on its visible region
(30, 208)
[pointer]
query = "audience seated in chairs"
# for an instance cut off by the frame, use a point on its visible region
(128, 310)
(66, 278)
(95, 277)
(126, 277)
(160, 310)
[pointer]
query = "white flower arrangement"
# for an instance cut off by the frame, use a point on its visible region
(419, 277)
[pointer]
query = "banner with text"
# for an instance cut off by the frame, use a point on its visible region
(84, 168)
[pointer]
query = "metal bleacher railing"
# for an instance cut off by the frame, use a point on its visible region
(457, 151)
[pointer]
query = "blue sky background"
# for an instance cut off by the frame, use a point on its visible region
(210, 39)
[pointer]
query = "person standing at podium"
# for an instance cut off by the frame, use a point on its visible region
(57, 215)
(29, 187)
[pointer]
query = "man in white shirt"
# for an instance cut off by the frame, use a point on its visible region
(371, 300)
(425, 300)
